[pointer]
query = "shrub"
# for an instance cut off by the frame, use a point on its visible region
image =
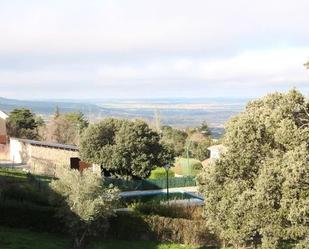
(83, 203)
(171, 211)
(131, 226)
(160, 172)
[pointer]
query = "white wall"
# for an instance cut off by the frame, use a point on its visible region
(214, 153)
(3, 115)
(18, 150)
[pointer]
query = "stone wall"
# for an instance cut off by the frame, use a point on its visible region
(40, 159)
(44, 160)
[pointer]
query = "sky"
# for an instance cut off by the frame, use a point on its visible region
(74, 49)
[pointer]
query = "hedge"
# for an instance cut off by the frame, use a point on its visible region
(149, 184)
(172, 211)
(131, 226)
(159, 173)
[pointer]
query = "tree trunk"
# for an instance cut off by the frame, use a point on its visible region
(79, 241)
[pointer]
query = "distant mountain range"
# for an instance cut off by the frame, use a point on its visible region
(46, 107)
(179, 113)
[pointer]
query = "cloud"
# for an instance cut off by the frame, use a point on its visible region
(152, 48)
(278, 69)
(174, 25)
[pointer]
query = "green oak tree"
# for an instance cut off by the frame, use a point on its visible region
(124, 148)
(174, 138)
(258, 191)
(199, 149)
(198, 141)
(22, 123)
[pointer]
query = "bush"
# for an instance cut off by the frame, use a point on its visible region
(172, 211)
(160, 172)
(131, 226)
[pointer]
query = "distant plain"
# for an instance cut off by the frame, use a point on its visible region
(176, 112)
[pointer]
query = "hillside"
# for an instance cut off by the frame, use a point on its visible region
(47, 107)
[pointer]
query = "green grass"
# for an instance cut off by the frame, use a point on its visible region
(23, 239)
(136, 245)
(17, 185)
(13, 173)
(156, 198)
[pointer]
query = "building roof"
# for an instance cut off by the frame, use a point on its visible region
(46, 144)
(3, 115)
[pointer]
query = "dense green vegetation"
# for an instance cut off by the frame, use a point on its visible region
(258, 191)
(123, 148)
(22, 123)
(36, 213)
(174, 138)
(192, 142)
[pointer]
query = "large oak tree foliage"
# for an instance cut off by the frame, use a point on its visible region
(126, 149)
(22, 123)
(174, 138)
(258, 191)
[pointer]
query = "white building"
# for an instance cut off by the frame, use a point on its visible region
(215, 153)
(3, 133)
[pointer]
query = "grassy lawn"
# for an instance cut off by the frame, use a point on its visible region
(13, 173)
(23, 239)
